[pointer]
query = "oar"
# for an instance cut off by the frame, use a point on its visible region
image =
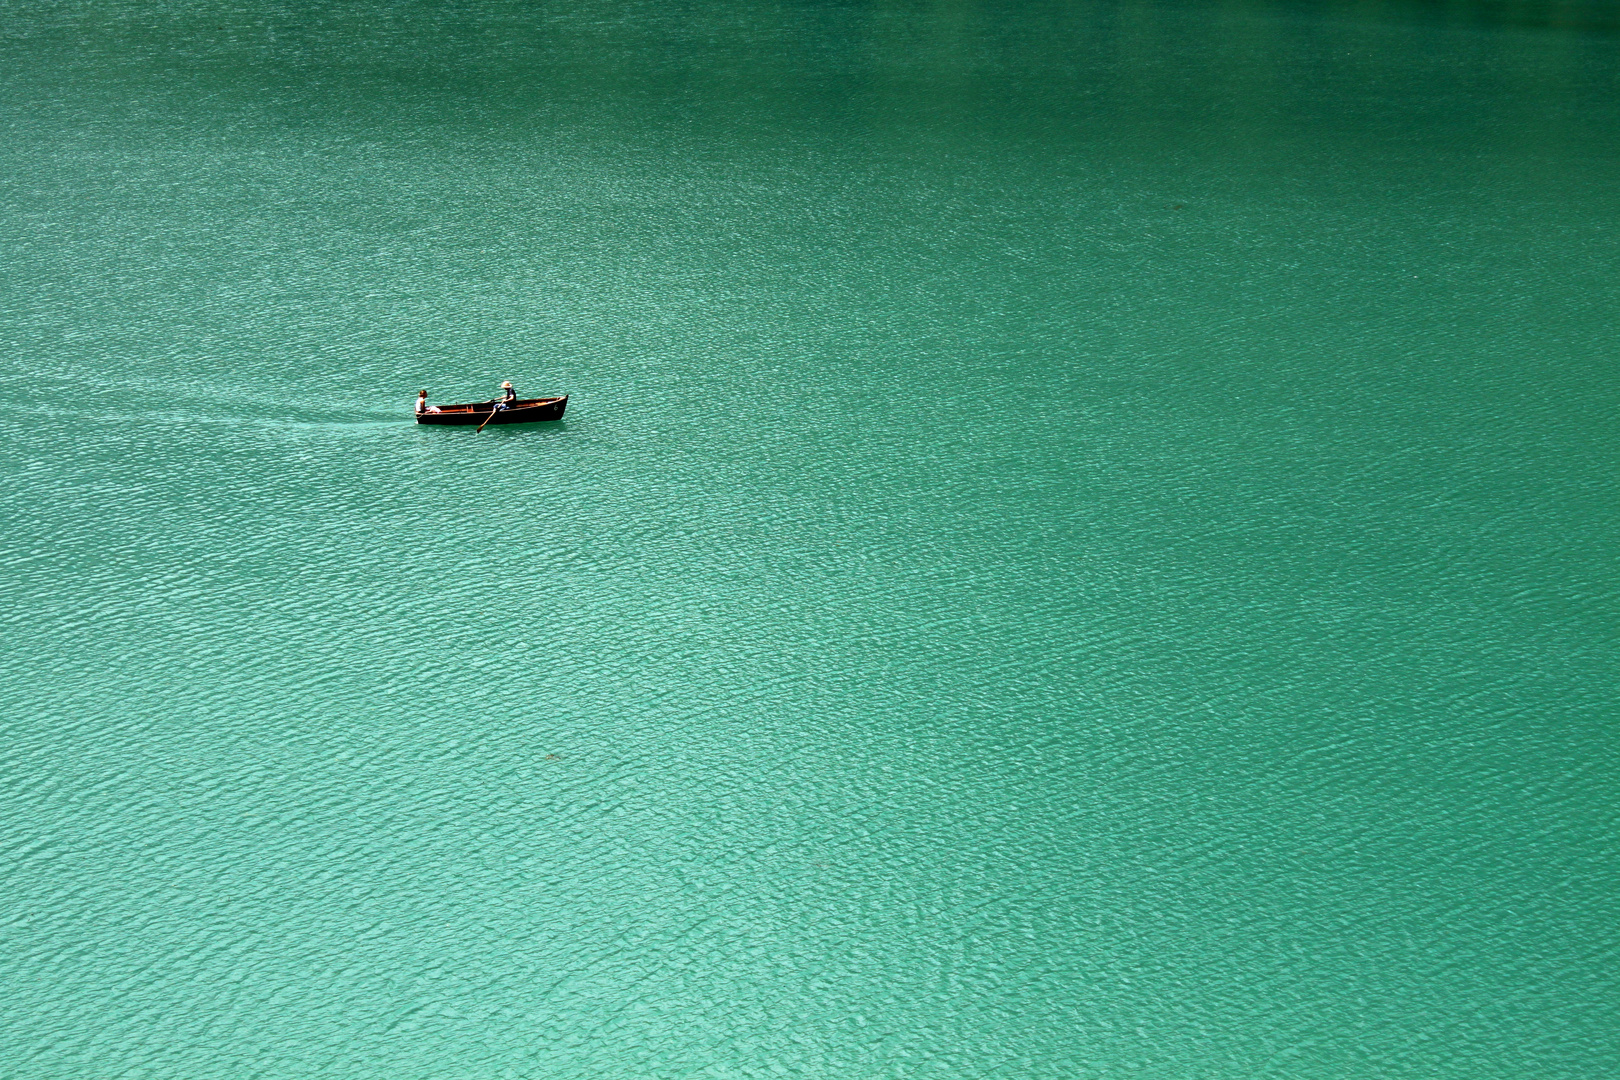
(487, 419)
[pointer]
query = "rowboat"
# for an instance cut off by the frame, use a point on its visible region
(524, 411)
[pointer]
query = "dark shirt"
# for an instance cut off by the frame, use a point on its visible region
(511, 395)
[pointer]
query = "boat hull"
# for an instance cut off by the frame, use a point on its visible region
(521, 412)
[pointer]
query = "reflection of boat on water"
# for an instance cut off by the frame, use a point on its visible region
(524, 411)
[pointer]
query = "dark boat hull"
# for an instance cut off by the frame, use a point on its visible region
(521, 412)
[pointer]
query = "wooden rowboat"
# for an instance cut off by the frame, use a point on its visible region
(523, 411)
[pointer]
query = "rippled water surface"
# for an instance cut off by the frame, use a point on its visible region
(1083, 544)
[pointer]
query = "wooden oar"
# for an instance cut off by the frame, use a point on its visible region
(487, 419)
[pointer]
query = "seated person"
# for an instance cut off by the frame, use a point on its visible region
(422, 405)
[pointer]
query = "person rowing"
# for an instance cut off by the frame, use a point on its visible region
(506, 401)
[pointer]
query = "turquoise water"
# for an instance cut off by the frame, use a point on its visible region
(1083, 544)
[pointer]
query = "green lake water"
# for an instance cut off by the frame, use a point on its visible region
(1083, 544)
